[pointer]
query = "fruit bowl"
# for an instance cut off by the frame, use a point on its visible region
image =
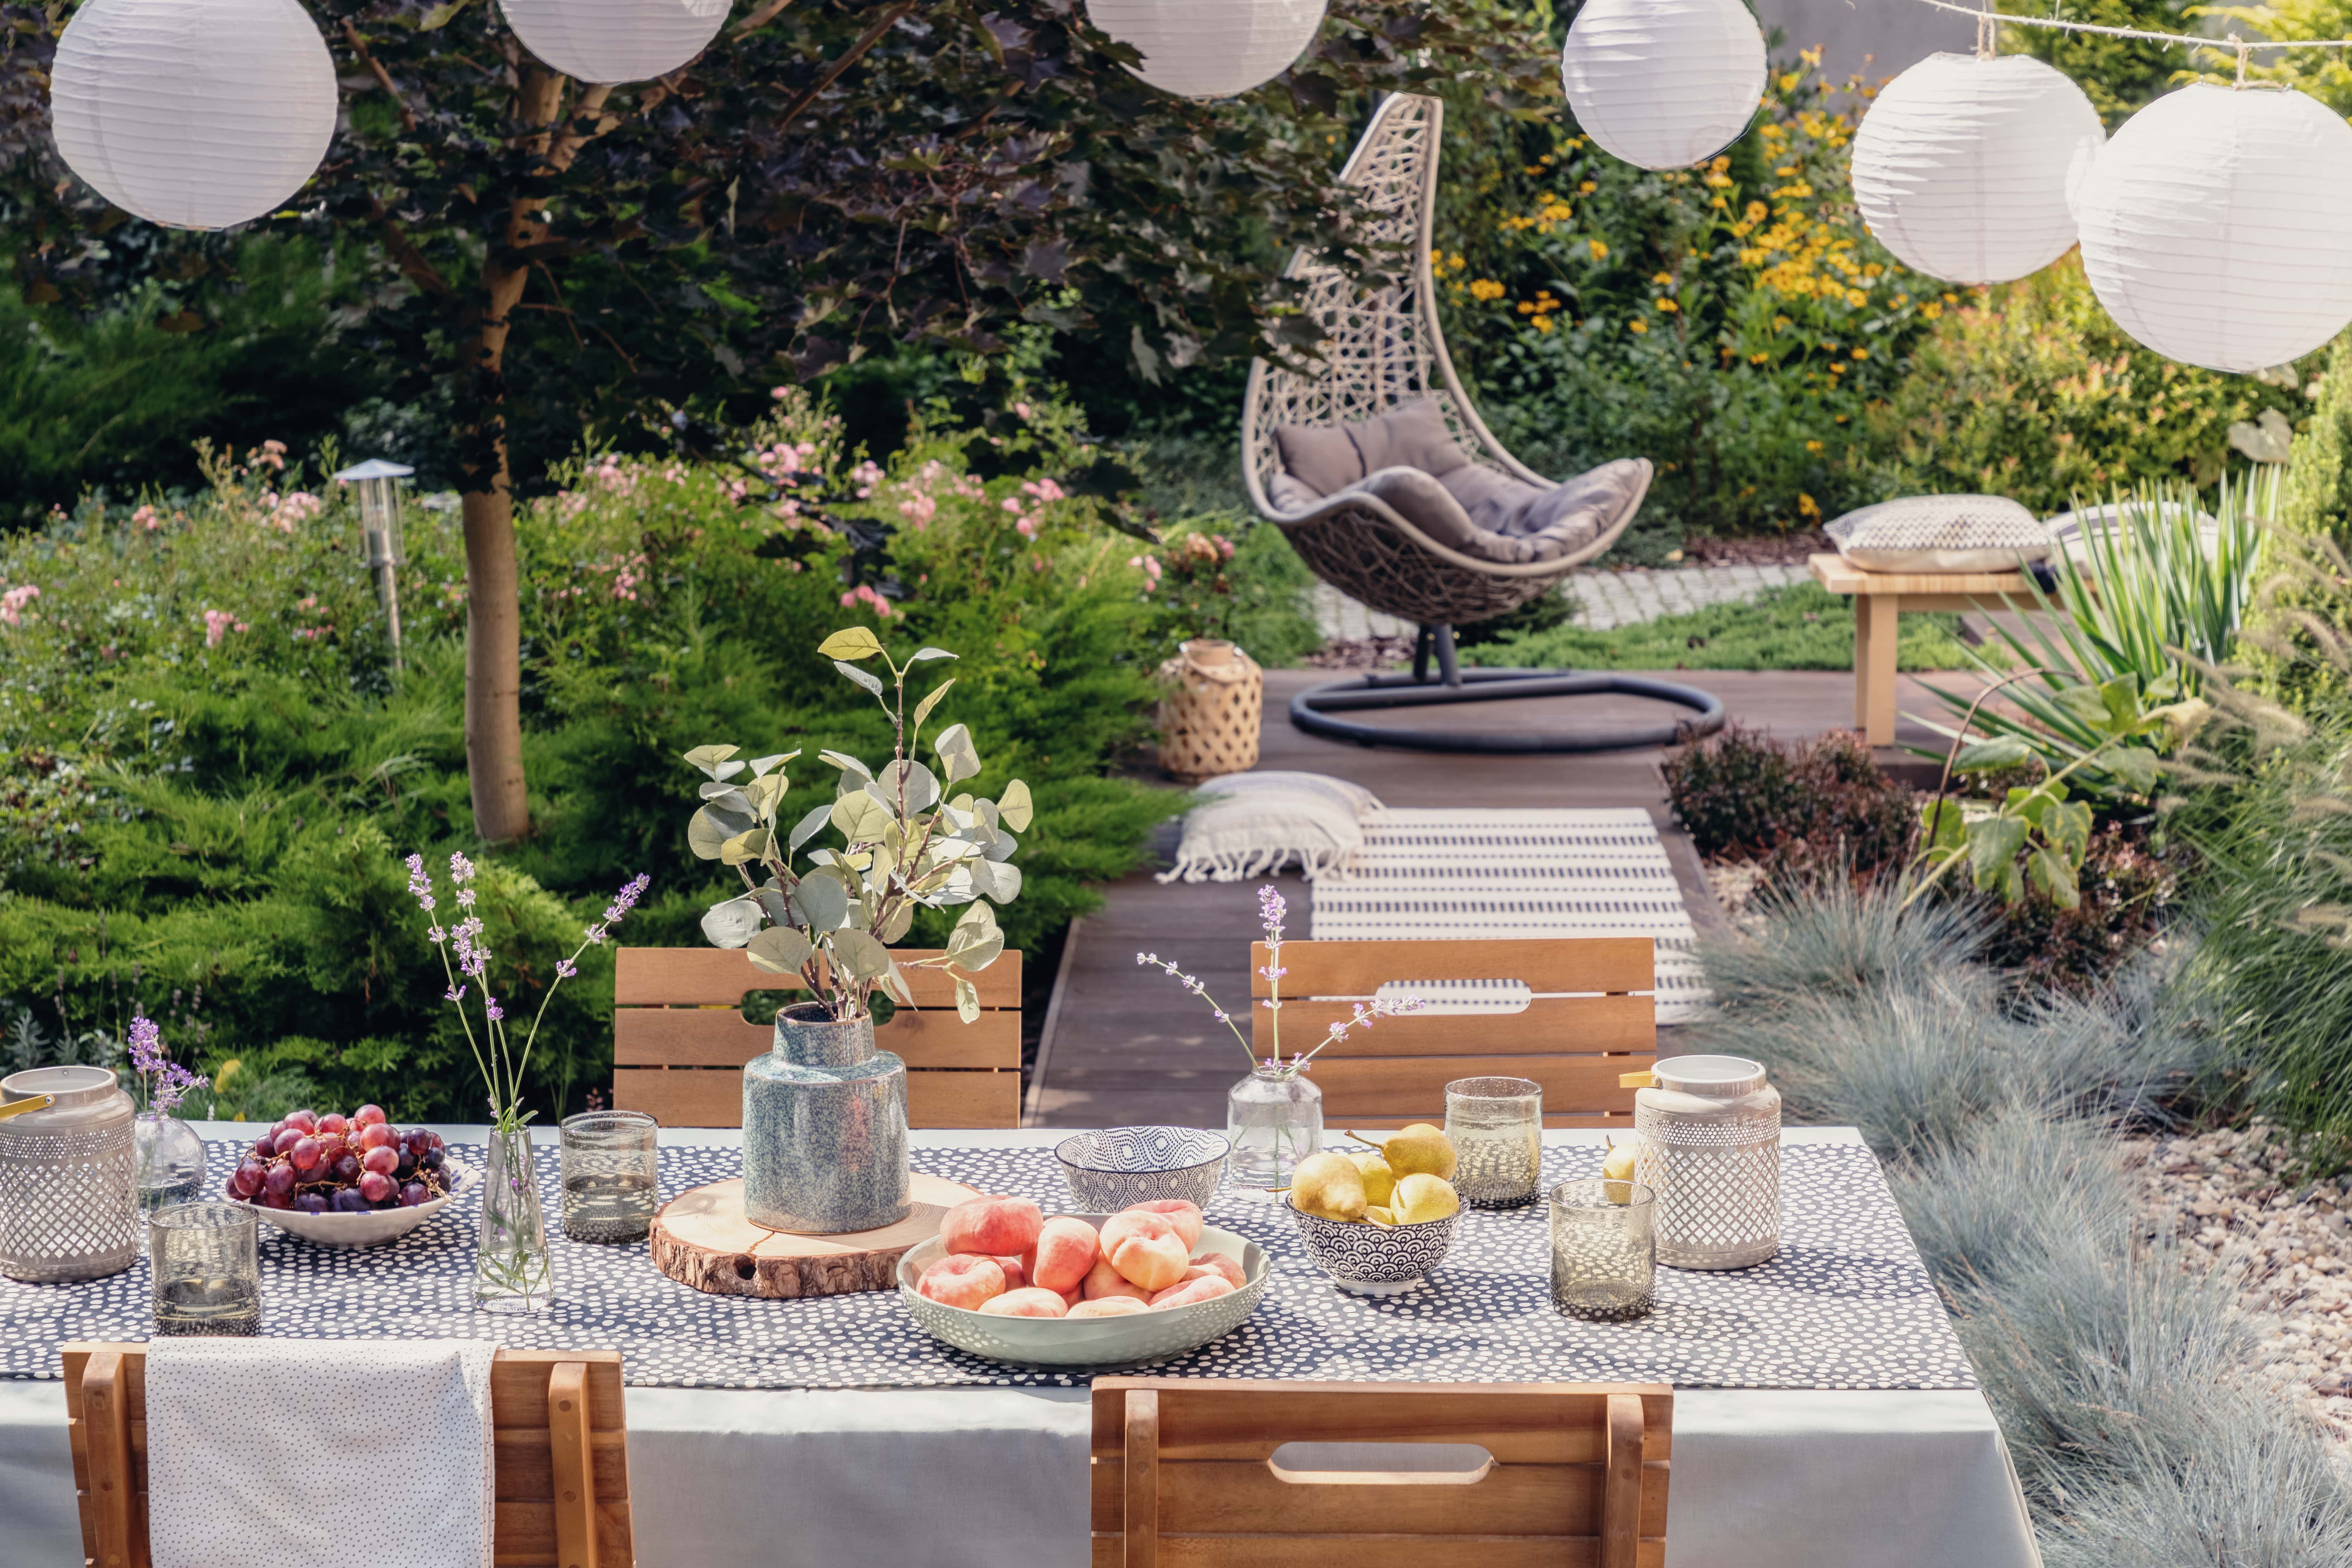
(1370, 1259)
(1090, 1342)
(371, 1227)
(1119, 1166)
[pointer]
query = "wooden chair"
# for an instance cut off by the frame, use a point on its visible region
(1590, 1019)
(679, 1041)
(562, 1456)
(1183, 1471)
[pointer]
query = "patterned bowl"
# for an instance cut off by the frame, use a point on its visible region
(370, 1227)
(1370, 1259)
(1122, 1166)
(1090, 1342)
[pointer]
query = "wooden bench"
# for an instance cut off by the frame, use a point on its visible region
(558, 1426)
(1591, 1018)
(1880, 601)
(679, 1040)
(1184, 1473)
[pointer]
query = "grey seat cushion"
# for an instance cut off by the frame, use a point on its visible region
(1329, 458)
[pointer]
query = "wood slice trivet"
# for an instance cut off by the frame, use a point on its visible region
(701, 1238)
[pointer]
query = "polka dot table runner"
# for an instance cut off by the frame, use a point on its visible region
(1846, 1305)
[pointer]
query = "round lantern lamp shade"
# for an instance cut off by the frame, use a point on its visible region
(195, 113)
(610, 41)
(2217, 224)
(1664, 84)
(1210, 49)
(1965, 168)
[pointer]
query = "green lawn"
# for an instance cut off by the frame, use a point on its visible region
(1799, 627)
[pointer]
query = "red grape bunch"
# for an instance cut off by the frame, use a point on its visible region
(341, 1164)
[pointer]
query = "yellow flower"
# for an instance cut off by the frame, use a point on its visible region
(1951, 298)
(1639, 325)
(1526, 308)
(1760, 359)
(1662, 278)
(1719, 202)
(1857, 297)
(1486, 289)
(1784, 170)
(1812, 446)
(1931, 310)
(1758, 212)
(1600, 249)
(1543, 323)
(1586, 187)
(1667, 305)
(1789, 82)
(1807, 506)
(1862, 353)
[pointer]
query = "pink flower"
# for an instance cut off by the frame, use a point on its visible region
(780, 392)
(1022, 409)
(1026, 528)
(13, 602)
(218, 623)
(147, 517)
(1011, 504)
(864, 595)
(1046, 490)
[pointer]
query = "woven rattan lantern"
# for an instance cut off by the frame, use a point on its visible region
(1210, 49)
(195, 113)
(1209, 720)
(614, 40)
(1664, 83)
(68, 1177)
(1708, 1131)
(2216, 225)
(1966, 166)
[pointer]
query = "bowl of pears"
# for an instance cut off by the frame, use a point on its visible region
(1379, 1219)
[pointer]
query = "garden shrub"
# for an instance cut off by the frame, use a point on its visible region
(1231, 577)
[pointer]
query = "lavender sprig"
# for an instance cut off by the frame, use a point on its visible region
(165, 1081)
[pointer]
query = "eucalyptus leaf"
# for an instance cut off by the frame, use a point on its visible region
(895, 929)
(1015, 807)
(864, 677)
(920, 654)
(708, 831)
(778, 906)
(745, 847)
(899, 988)
(846, 763)
(865, 958)
(809, 827)
(931, 700)
(922, 786)
(1002, 846)
(852, 642)
(726, 795)
(780, 950)
(759, 766)
(707, 758)
(956, 753)
(967, 1000)
(981, 954)
(1004, 882)
(764, 794)
(860, 818)
(732, 923)
(821, 900)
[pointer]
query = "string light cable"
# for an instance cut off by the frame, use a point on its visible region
(1990, 22)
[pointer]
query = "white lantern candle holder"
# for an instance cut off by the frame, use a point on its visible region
(1707, 1143)
(1967, 165)
(377, 486)
(1210, 49)
(2217, 224)
(613, 41)
(1664, 84)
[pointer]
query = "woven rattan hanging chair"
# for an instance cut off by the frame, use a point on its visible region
(1380, 350)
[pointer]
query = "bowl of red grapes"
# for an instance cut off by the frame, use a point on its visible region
(346, 1181)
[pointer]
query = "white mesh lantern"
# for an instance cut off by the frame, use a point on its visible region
(1210, 49)
(1664, 83)
(2217, 226)
(195, 113)
(1706, 1134)
(614, 40)
(1966, 166)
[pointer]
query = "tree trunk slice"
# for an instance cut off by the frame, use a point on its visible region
(701, 1238)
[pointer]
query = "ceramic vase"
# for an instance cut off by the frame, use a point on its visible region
(825, 1127)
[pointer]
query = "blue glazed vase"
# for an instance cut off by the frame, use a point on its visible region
(825, 1127)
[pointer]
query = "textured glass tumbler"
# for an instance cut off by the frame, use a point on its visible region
(207, 1259)
(1496, 1125)
(610, 1173)
(1604, 1249)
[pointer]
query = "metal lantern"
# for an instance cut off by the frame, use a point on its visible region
(378, 483)
(68, 1177)
(1707, 1139)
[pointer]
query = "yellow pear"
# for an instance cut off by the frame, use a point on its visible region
(1328, 1185)
(1617, 1173)
(1420, 1149)
(1380, 1216)
(1421, 1197)
(1378, 1180)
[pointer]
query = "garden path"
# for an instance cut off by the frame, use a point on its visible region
(1122, 1046)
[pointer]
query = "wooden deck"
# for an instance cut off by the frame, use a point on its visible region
(1125, 1046)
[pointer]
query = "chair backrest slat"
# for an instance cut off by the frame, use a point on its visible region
(1589, 1017)
(679, 1041)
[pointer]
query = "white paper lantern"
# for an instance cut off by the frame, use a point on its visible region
(614, 40)
(1965, 168)
(1210, 49)
(197, 114)
(2217, 226)
(1664, 83)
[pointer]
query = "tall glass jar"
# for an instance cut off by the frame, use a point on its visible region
(1273, 1119)
(171, 1161)
(512, 1270)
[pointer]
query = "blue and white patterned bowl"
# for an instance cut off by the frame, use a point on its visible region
(1122, 1166)
(1374, 1259)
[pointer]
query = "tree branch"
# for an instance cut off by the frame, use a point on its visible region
(382, 76)
(871, 37)
(759, 18)
(404, 254)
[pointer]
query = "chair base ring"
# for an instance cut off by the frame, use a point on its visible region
(1315, 709)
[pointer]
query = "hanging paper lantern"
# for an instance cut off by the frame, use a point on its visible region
(1664, 83)
(1210, 49)
(1965, 167)
(2217, 224)
(614, 40)
(197, 114)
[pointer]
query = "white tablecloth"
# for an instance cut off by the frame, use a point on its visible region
(983, 1477)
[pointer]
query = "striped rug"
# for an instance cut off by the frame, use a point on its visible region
(1474, 874)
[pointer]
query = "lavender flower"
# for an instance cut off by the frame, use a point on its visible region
(420, 886)
(623, 902)
(167, 1081)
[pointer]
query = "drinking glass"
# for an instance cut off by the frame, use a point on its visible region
(207, 1259)
(610, 1175)
(1496, 1125)
(1604, 1249)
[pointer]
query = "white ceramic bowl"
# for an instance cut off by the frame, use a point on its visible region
(371, 1227)
(1090, 1342)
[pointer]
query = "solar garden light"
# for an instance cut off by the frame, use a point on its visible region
(378, 483)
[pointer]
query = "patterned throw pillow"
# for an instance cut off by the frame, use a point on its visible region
(1251, 823)
(1941, 533)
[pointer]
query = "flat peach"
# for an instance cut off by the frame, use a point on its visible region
(1185, 1216)
(1016, 1271)
(1108, 1307)
(995, 1228)
(1104, 1283)
(1154, 1262)
(963, 1280)
(1073, 1296)
(1206, 1289)
(1067, 1248)
(1030, 1302)
(1135, 1222)
(1217, 1263)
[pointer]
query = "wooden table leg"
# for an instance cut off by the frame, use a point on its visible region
(1875, 620)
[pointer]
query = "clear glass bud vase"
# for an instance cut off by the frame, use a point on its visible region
(1273, 1119)
(171, 1161)
(512, 1270)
